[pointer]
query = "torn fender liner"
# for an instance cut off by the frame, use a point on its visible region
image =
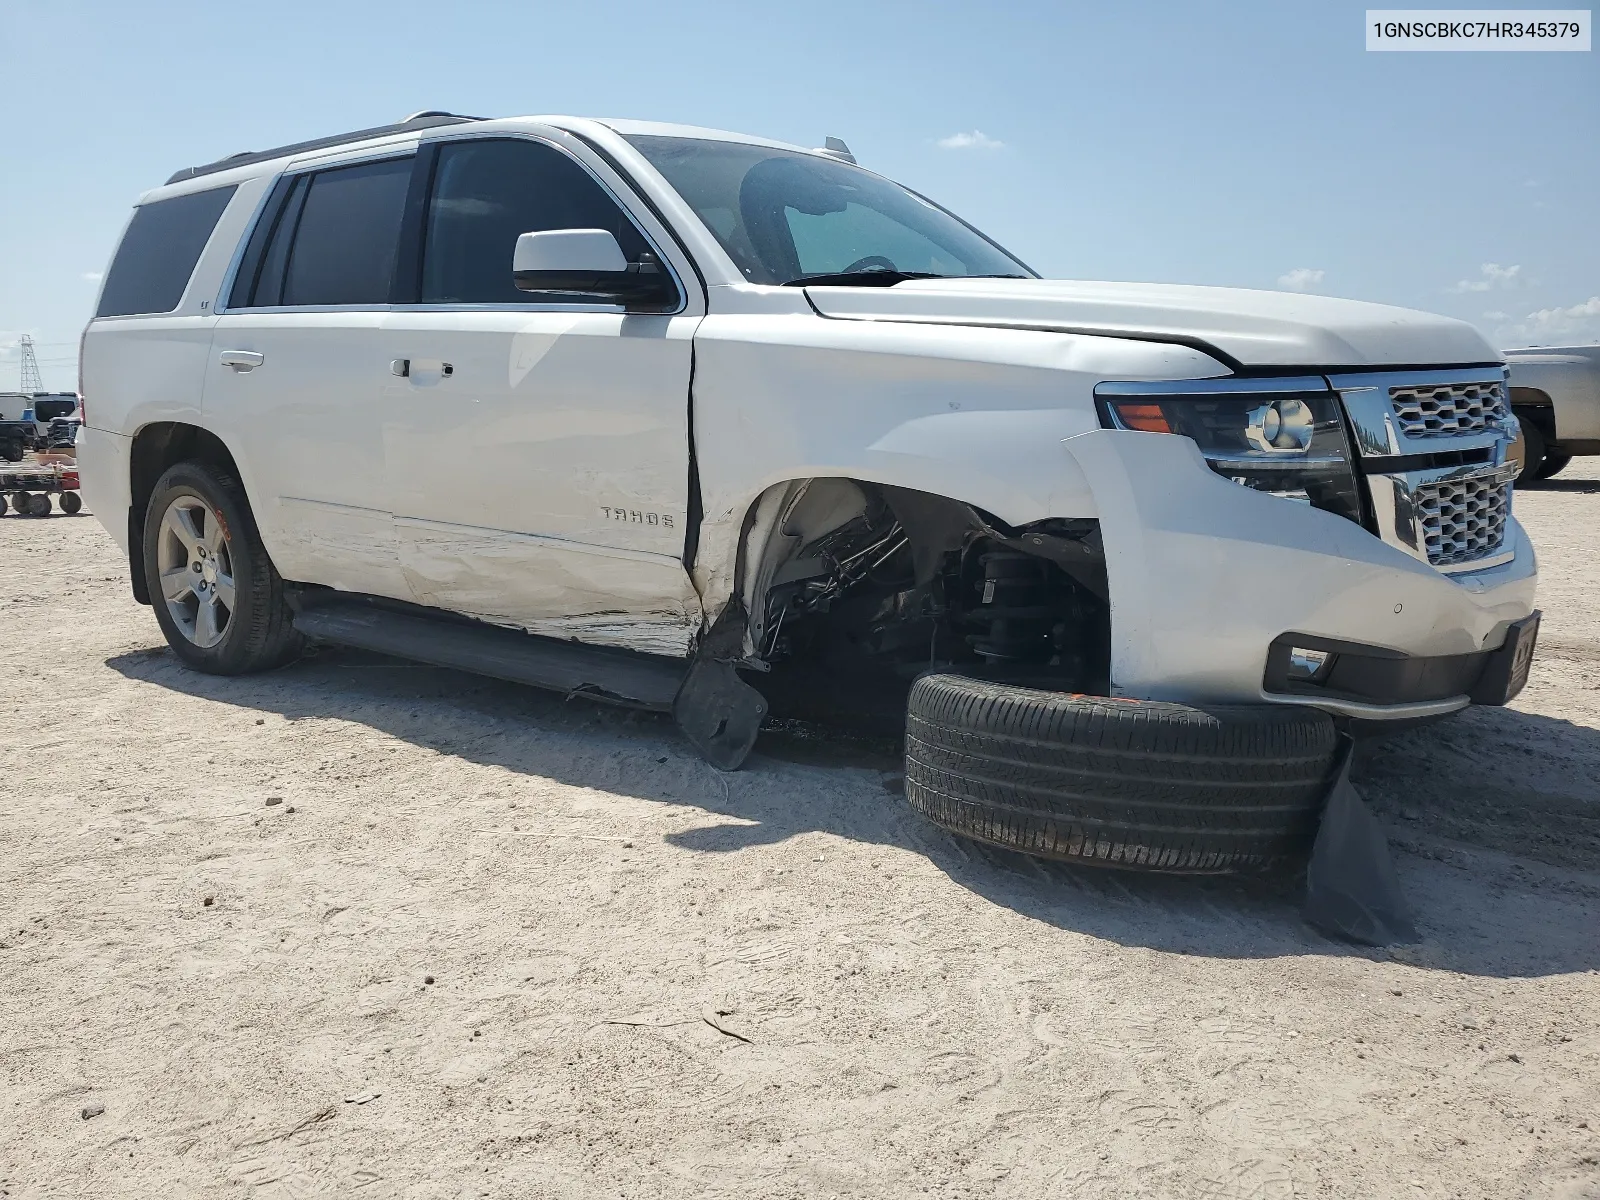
(1352, 891)
(719, 713)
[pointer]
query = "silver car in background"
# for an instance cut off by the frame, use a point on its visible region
(1555, 393)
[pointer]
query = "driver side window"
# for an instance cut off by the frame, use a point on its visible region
(486, 194)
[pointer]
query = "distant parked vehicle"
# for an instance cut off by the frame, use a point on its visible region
(16, 439)
(1555, 394)
(38, 409)
(14, 404)
(63, 433)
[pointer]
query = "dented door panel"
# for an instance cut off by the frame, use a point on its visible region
(542, 480)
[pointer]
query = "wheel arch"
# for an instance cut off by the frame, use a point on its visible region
(156, 447)
(789, 512)
(1537, 406)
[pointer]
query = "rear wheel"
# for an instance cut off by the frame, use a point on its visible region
(13, 450)
(71, 503)
(1554, 462)
(22, 503)
(218, 598)
(1534, 450)
(40, 505)
(1123, 783)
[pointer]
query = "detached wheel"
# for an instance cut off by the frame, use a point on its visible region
(1124, 783)
(218, 598)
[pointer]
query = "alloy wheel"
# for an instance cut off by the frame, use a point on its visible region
(196, 570)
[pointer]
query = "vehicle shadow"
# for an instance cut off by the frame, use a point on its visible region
(1583, 487)
(1485, 915)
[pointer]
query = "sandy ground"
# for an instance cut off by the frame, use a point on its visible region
(491, 944)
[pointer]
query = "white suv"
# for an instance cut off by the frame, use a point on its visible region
(649, 412)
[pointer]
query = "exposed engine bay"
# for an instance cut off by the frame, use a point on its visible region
(863, 587)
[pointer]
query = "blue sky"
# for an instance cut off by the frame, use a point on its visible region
(1251, 145)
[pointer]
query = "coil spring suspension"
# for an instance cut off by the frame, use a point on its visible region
(1020, 605)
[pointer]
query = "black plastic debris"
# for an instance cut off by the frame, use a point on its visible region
(1352, 890)
(719, 713)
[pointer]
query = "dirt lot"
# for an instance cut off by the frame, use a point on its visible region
(491, 944)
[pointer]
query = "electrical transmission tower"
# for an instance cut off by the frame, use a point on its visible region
(31, 382)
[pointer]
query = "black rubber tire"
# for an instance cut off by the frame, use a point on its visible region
(71, 503)
(1554, 463)
(22, 503)
(260, 633)
(41, 504)
(4, 504)
(1534, 450)
(1124, 783)
(13, 451)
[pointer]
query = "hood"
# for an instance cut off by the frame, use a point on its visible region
(1254, 329)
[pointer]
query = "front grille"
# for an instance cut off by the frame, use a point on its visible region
(1462, 519)
(1447, 410)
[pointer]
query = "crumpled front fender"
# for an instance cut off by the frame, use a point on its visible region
(1204, 574)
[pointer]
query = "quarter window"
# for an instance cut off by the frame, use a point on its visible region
(159, 252)
(487, 193)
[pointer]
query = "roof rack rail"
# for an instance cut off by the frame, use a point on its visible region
(426, 119)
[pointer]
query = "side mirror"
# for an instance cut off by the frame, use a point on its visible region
(588, 262)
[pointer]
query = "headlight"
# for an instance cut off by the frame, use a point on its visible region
(1281, 436)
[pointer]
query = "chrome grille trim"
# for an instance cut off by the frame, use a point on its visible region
(1455, 519)
(1446, 410)
(1463, 520)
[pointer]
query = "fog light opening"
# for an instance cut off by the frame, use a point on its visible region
(1309, 666)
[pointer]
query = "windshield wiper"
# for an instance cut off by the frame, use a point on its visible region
(877, 278)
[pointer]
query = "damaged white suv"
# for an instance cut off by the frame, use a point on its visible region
(714, 425)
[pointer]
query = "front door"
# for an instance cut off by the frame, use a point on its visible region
(295, 369)
(537, 448)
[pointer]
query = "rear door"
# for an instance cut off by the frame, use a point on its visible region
(296, 363)
(537, 447)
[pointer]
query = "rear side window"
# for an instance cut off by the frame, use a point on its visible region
(331, 238)
(159, 252)
(488, 193)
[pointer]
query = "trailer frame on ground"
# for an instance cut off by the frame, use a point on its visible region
(25, 490)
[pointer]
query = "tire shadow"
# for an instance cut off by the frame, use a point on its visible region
(1482, 912)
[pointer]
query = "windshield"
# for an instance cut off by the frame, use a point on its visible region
(785, 216)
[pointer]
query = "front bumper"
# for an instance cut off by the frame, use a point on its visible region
(1384, 677)
(1205, 576)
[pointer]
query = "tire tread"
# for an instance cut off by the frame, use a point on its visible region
(1147, 784)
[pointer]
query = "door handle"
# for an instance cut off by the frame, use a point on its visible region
(242, 360)
(401, 367)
